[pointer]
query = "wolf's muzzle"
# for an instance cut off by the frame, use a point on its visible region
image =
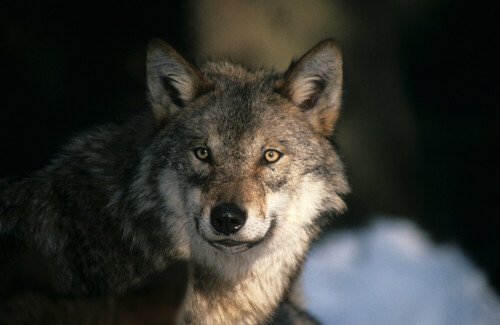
(227, 218)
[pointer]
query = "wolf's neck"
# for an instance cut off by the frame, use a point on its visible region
(250, 296)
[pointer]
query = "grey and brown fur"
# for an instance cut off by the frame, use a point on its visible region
(122, 202)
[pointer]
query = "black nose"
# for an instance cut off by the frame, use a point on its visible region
(227, 218)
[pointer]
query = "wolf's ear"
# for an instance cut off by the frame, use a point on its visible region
(314, 84)
(172, 81)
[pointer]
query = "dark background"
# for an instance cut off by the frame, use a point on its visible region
(67, 66)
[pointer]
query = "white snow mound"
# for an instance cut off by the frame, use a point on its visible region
(391, 274)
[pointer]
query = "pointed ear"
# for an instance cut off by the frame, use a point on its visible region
(314, 84)
(172, 81)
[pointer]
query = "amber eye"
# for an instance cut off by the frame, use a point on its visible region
(272, 156)
(201, 153)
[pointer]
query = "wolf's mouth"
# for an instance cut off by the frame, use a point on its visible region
(235, 246)
(229, 243)
(231, 246)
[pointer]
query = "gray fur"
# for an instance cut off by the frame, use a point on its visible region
(122, 202)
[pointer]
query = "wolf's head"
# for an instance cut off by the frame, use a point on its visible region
(242, 158)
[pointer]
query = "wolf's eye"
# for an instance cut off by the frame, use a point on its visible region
(272, 156)
(201, 153)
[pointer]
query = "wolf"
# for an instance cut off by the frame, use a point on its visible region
(232, 170)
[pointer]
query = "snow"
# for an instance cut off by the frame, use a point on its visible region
(391, 273)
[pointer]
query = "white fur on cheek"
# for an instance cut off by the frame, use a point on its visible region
(294, 213)
(182, 209)
(300, 207)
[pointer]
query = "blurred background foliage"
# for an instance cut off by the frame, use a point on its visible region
(421, 91)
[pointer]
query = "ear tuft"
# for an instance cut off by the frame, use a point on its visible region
(314, 84)
(172, 81)
(309, 93)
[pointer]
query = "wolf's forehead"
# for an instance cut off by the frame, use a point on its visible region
(231, 122)
(237, 109)
(236, 119)
(242, 106)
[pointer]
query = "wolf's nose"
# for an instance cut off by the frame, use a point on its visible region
(227, 218)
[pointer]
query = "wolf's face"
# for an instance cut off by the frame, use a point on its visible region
(240, 147)
(245, 156)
